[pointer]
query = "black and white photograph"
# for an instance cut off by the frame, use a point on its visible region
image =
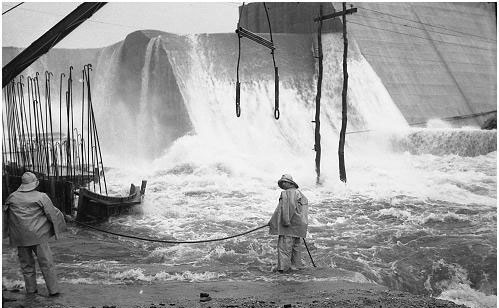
(249, 154)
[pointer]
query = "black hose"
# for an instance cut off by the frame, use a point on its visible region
(169, 241)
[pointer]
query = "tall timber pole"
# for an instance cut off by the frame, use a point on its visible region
(341, 146)
(317, 145)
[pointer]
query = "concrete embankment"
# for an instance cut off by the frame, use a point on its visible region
(436, 60)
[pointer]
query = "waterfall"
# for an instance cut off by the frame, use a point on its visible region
(256, 143)
(184, 110)
(148, 132)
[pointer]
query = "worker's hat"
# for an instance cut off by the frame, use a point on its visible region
(28, 182)
(286, 178)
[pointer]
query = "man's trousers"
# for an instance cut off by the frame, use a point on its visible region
(289, 253)
(46, 263)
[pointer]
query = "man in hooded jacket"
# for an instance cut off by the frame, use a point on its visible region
(30, 220)
(290, 222)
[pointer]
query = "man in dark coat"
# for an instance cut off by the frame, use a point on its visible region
(290, 222)
(30, 220)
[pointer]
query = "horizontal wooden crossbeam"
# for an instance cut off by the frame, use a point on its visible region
(333, 15)
(256, 38)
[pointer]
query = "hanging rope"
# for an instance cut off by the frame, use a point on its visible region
(238, 84)
(241, 32)
(276, 70)
(170, 241)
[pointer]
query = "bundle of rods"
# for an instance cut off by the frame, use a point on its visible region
(32, 140)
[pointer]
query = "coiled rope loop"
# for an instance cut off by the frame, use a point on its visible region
(238, 84)
(241, 32)
(277, 113)
(169, 241)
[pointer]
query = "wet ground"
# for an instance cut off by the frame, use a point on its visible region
(227, 294)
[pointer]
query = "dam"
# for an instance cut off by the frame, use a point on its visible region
(418, 213)
(425, 54)
(424, 61)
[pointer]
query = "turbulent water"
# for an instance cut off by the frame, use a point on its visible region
(418, 212)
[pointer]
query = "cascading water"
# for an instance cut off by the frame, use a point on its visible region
(148, 132)
(410, 218)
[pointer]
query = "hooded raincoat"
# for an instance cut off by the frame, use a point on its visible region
(290, 218)
(30, 218)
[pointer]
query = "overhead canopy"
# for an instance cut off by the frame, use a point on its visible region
(49, 40)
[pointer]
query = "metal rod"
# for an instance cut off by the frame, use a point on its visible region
(82, 124)
(93, 166)
(90, 138)
(16, 126)
(4, 143)
(68, 141)
(7, 118)
(89, 67)
(70, 97)
(44, 152)
(60, 118)
(48, 119)
(23, 121)
(49, 101)
(37, 131)
(309, 254)
(28, 80)
(9, 123)
(43, 148)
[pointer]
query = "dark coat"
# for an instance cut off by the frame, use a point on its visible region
(291, 215)
(30, 218)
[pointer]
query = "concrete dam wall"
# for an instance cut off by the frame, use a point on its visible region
(437, 60)
(165, 86)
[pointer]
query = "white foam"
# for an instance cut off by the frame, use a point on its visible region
(12, 284)
(88, 280)
(137, 274)
(463, 294)
(398, 213)
(446, 217)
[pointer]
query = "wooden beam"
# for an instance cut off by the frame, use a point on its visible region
(49, 40)
(337, 14)
(256, 38)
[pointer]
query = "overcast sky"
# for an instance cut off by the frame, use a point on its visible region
(27, 22)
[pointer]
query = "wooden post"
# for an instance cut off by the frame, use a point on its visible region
(317, 146)
(143, 187)
(341, 146)
(341, 152)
